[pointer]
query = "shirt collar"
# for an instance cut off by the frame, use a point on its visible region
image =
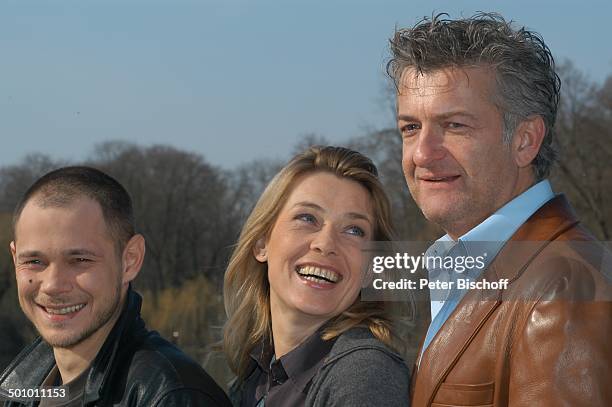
(502, 224)
(301, 363)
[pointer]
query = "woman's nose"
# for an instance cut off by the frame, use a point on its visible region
(324, 241)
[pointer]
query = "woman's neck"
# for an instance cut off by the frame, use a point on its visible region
(290, 329)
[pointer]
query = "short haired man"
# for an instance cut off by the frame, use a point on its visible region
(75, 253)
(476, 105)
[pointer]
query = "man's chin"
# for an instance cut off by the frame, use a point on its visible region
(438, 216)
(66, 340)
(446, 218)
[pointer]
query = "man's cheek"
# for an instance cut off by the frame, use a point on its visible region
(408, 170)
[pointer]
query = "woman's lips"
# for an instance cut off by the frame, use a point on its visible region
(317, 276)
(319, 273)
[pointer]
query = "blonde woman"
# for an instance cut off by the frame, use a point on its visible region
(297, 333)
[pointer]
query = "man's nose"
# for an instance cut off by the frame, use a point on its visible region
(55, 280)
(429, 146)
(324, 241)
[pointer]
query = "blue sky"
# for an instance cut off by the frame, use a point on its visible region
(233, 80)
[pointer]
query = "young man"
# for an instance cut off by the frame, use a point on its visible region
(476, 106)
(75, 252)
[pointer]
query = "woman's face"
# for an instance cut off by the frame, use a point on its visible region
(314, 251)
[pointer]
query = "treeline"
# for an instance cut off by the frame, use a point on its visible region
(191, 213)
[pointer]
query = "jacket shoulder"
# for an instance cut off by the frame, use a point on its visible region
(552, 254)
(164, 372)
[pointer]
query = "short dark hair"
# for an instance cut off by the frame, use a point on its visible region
(62, 186)
(526, 81)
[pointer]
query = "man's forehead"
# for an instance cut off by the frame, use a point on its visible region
(427, 83)
(78, 204)
(81, 210)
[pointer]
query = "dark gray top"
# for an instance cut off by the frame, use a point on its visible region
(74, 390)
(356, 369)
(360, 371)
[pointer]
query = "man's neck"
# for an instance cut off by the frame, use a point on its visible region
(524, 182)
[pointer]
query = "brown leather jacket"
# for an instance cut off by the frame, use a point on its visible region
(543, 341)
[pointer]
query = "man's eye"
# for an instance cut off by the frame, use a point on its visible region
(409, 129)
(82, 260)
(356, 230)
(34, 262)
(455, 125)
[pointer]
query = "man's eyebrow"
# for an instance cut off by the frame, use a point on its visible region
(457, 114)
(409, 118)
(28, 254)
(80, 252)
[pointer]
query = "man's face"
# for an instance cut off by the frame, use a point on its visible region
(69, 275)
(456, 164)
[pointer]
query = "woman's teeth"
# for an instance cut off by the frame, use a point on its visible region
(313, 273)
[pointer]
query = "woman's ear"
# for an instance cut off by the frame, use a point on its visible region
(260, 251)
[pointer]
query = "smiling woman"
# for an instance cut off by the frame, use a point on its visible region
(297, 332)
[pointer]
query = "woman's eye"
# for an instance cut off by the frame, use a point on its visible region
(306, 217)
(356, 230)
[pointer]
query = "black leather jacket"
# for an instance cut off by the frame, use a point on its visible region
(135, 367)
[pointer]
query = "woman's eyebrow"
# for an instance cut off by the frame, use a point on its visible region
(309, 204)
(350, 215)
(357, 215)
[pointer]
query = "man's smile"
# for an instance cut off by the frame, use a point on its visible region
(59, 313)
(438, 180)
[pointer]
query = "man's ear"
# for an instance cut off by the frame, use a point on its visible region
(527, 140)
(260, 250)
(133, 257)
(13, 252)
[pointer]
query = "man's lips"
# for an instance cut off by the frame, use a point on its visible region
(61, 312)
(438, 178)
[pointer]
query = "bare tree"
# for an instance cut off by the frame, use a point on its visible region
(584, 135)
(181, 204)
(15, 179)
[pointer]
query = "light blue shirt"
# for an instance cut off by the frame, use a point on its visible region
(487, 237)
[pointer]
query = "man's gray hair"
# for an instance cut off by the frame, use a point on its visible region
(526, 81)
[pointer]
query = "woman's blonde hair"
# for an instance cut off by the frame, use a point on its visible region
(246, 288)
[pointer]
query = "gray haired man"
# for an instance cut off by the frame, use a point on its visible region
(476, 106)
